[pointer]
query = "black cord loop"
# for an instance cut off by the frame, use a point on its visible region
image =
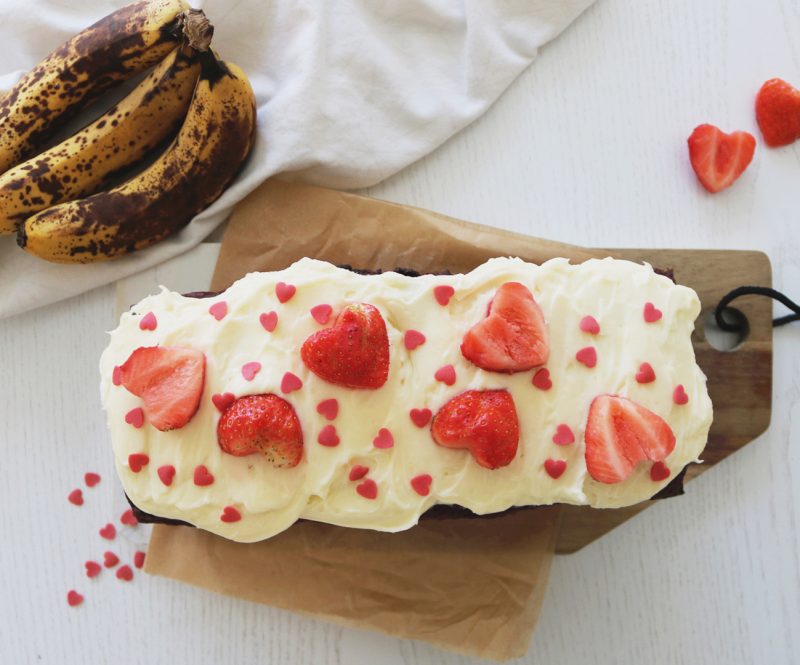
(731, 326)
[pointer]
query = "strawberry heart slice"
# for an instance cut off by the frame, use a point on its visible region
(75, 497)
(679, 395)
(646, 373)
(354, 352)
(166, 473)
(223, 401)
(137, 461)
(542, 379)
(659, 471)
(74, 598)
(621, 433)
(563, 435)
(555, 467)
(358, 472)
(420, 417)
(421, 484)
(651, 313)
(513, 336)
(290, 382)
(484, 422)
(249, 370)
(110, 559)
(412, 339)
(230, 514)
(778, 112)
(269, 321)
(202, 476)
(108, 532)
(446, 375)
(91, 479)
(368, 489)
(321, 313)
(148, 322)
(384, 439)
(587, 356)
(718, 158)
(328, 408)
(92, 569)
(218, 310)
(124, 573)
(129, 518)
(138, 558)
(284, 291)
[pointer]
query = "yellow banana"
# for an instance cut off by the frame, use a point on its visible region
(115, 48)
(193, 171)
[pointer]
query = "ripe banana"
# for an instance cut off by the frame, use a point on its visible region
(115, 48)
(193, 171)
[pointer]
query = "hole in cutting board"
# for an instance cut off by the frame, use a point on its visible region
(722, 340)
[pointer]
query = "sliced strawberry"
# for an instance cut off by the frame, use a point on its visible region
(483, 421)
(264, 424)
(513, 336)
(169, 379)
(621, 433)
(778, 112)
(354, 352)
(718, 158)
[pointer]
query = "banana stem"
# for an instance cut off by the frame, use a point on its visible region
(197, 31)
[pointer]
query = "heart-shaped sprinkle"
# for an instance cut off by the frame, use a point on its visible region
(91, 479)
(166, 473)
(555, 467)
(138, 558)
(563, 435)
(384, 439)
(422, 484)
(249, 370)
(358, 472)
(74, 598)
(136, 461)
(223, 400)
(541, 379)
(108, 532)
(148, 322)
(202, 476)
(321, 313)
(129, 518)
(646, 373)
(135, 417)
(328, 408)
(218, 310)
(75, 497)
(443, 294)
(269, 321)
(92, 568)
(590, 325)
(230, 514)
(412, 339)
(651, 313)
(446, 374)
(679, 395)
(116, 375)
(110, 559)
(587, 356)
(284, 291)
(659, 471)
(420, 417)
(368, 489)
(124, 573)
(290, 382)
(328, 436)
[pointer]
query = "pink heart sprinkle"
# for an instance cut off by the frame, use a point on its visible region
(422, 484)
(249, 370)
(646, 374)
(223, 401)
(384, 439)
(92, 569)
(135, 417)
(91, 479)
(659, 471)
(679, 395)
(230, 514)
(368, 489)
(555, 467)
(74, 598)
(590, 325)
(328, 436)
(651, 313)
(124, 573)
(290, 382)
(542, 379)
(166, 473)
(443, 294)
(269, 321)
(202, 476)
(328, 408)
(420, 417)
(110, 559)
(446, 375)
(321, 313)
(358, 472)
(412, 339)
(108, 532)
(136, 461)
(75, 497)
(284, 291)
(138, 558)
(588, 356)
(116, 375)
(218, 310)
(129, 518)
(148, 322)
(563, 435)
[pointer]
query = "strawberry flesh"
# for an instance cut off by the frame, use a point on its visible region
(778, 112)
(718, 158)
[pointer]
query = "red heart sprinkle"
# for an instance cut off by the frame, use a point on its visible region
(679, 395)
(422, 484)
(651, 314)
(218, 310)
(328, 436)
(328, 408)
(135, 417)
(358, 472)
(443, 294)
(269, 321)
(138, 559)
(116, 375)
(420, 417)
(368, 489)
(588, 356)
(290, 382)
(446, 375)
(148, 322)
(166, 473)
(92, 568)
(110, 559)
(230, 514)
(321, 313)
(124, 573)
(223, 401)
(384, 439)
(74, 598)
(590, 325)
(249, 370)
(202, 476)
(91, 479)
(412, 339)
(75, 497)
(659, 471)
(646, 374)
(563, 435)
(555, 467)
(284, 291)
(136, 461)
(129, 518)
(108, 532)
(542, 379)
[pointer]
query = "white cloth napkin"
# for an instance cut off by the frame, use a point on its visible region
(349, 92)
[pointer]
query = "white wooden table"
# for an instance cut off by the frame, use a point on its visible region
(587, 147)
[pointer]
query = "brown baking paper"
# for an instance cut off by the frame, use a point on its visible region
(469, 585)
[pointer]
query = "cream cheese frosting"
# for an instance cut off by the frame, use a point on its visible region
(270, 499)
